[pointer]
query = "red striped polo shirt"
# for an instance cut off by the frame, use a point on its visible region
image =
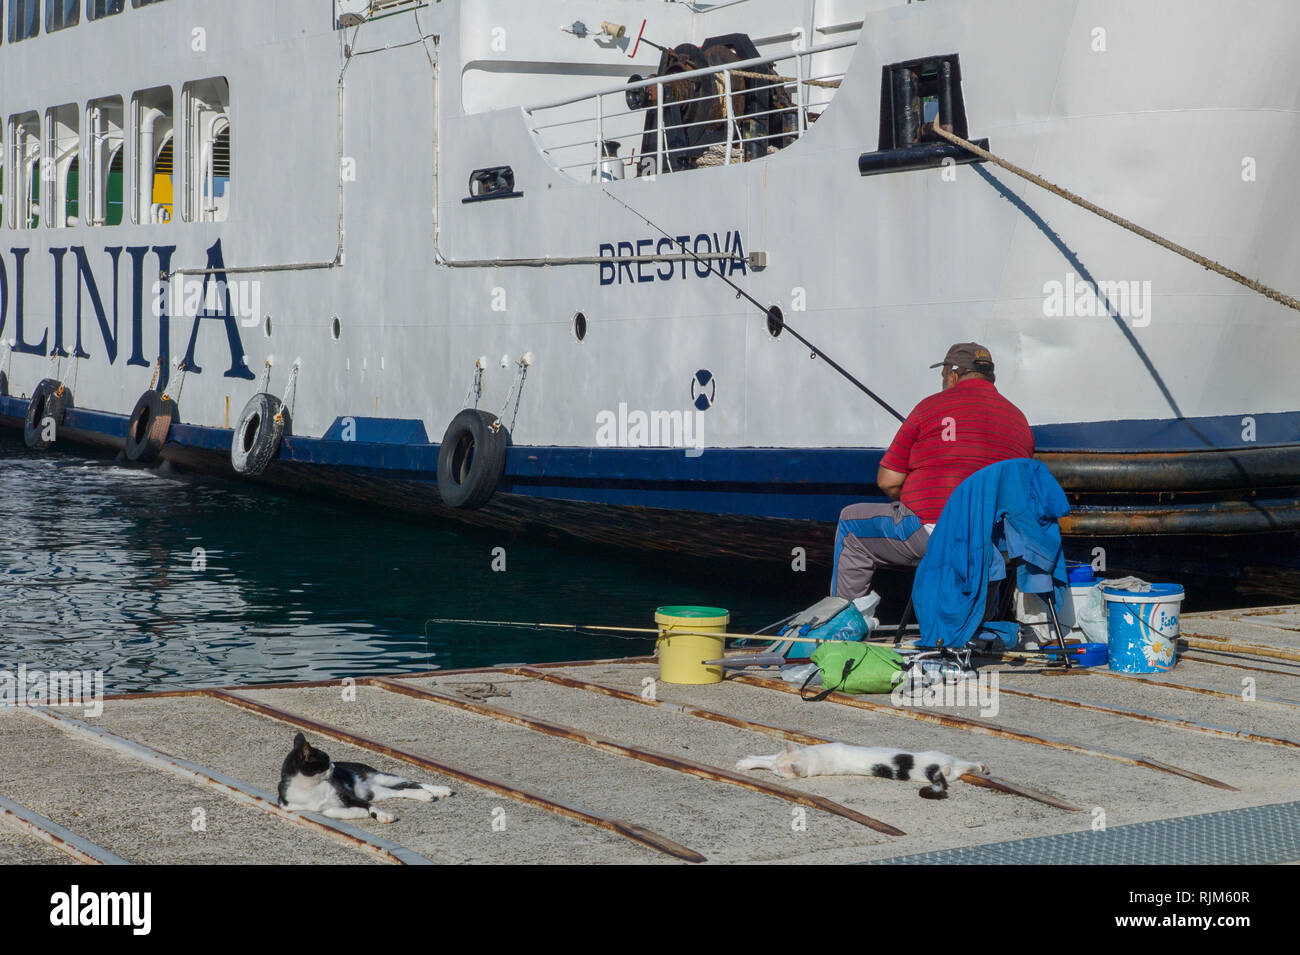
(951, 435)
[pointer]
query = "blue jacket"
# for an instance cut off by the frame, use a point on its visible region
(1006, 510)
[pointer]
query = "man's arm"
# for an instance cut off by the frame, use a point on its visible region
(890, 482)
(890, 479)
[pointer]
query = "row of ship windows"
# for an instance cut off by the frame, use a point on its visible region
(58, 170)
(25, 15)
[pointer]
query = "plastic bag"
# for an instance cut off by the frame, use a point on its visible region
(1090, 616)
(845, 625)
(798, 674)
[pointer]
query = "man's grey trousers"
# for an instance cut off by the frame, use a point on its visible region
(871, 536)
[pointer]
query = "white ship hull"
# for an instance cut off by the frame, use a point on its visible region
(349, 251)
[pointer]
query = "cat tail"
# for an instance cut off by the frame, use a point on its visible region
(938, 788)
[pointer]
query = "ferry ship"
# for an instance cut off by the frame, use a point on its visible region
(500, 259)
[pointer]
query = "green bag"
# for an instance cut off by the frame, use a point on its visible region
(854, 668)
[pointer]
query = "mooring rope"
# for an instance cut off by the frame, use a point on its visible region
(290, 392)
(1279, 297)
(773, 79)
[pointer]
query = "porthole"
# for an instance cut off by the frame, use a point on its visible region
(775, 321)
(579, 326)
(266, 326)
(336, 328)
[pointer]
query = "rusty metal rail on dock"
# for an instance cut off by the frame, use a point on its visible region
(1197, 641)
(628, 830)
(1206, 691)
(664, 760)
(794, 736)
(989, 729)
(33, 824)
(1222, 732)
(341, 832)
(1272, 671)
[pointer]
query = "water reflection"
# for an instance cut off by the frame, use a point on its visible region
(167, 581)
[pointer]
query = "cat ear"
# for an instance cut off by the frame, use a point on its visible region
(790, 747)
(300, 742)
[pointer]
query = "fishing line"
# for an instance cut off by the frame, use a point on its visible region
(596, 630)
(583, 630)
(773, 316)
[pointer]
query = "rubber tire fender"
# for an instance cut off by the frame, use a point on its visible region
(50, 400)
(150, 423)
(255, 441)
(471, 459)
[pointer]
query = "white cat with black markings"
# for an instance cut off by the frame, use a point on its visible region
(841, 759)
(309, 782)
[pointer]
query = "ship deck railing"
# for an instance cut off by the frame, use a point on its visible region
(585, 158)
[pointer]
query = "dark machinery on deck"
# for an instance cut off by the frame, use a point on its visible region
(696, 110)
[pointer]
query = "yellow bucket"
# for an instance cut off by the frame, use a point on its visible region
(682, 655)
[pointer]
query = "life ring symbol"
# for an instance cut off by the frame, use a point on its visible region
(471, 459)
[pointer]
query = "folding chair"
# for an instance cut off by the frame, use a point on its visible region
(996, 601)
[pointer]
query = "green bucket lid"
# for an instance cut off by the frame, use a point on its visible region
(687, 611)
(687, 617)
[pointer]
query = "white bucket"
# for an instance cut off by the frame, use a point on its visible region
(1143, 628)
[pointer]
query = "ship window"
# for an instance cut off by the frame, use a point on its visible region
(25, 161)
(61, 169)
(72, 203)
(116, 203)
(143, 3)
(97, 9)
(105, 155)
(912, 94)
(24, 19)
(4, 161)
(207, 150)
(495, 183)
(152, 178)
(60, 14)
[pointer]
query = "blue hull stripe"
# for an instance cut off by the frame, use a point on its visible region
(795, 484)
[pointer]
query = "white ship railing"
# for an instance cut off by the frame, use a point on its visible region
(596, 121)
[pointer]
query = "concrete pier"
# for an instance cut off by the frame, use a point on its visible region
(577, 763)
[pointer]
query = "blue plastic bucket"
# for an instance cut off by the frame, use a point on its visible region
(1143, 628)
(1080, 575)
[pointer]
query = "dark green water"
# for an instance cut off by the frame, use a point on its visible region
(99, 573)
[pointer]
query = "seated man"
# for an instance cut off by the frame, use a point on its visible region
(947, 437)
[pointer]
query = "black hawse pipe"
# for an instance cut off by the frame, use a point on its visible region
(773, 315)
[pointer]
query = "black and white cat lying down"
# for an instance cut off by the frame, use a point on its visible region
(309, 782)
(841, 759)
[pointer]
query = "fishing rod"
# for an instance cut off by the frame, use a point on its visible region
(773, 316)
(583, 629)
(648, 631)
(528, 625)
(608, 631)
